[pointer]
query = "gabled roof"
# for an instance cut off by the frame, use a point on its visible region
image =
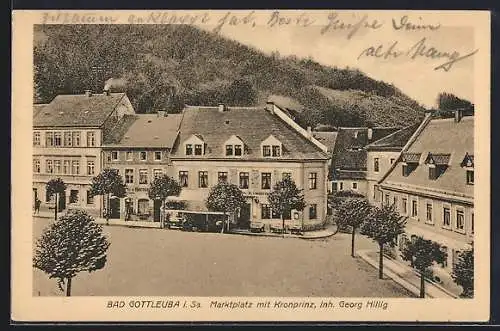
(446, 140)
(468, 161)
(437, 158)
(37, 107)
(145, 131)
(394, 141)
(326, 138)
(252, 124)
(78, 110)
(411, 157)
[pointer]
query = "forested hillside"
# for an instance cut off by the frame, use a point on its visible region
(167, 66)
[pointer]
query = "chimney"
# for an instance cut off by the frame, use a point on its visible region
(88, 93)
(222, 107)
(370, 133)
(459, 113)
(270, 107)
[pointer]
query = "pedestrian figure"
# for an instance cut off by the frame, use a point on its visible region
(37, 205)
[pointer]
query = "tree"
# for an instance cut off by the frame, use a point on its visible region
(56, 187)
(449, 101)
(383, 227)
(108, 183)
(225, 197)
(285, 197)
(70, 245)
(162, 187)
(422, 254)
(353, 213)
(463, 272)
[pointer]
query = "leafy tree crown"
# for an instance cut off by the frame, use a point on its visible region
(353, 212)
(72, 244)
(55, 186)
(225, 197)
(424, 253)
(384, 225)
(163, 187)
(463, 272)
(286, 196)
(108, 181)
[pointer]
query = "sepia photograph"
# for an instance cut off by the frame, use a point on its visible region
(317, 161)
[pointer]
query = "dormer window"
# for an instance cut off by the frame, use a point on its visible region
(194, 145)
(468, 165)
(189, 149)
(229, 150)
(198, 149)
(272, 147)
(276, 150)
(437, 164)
(266, 151)
(238, 150)
(409, 162)
(234, 146)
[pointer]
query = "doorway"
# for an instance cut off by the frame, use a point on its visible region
(62, 200)
(156, 210)
(244, 219)
(114, 206)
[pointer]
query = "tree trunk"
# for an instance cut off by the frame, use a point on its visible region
(381, 262)
(56, 207)
(68, 287)
(283, 225)
(223, 223)
(108, 207)
(422, 285)
(352, 240)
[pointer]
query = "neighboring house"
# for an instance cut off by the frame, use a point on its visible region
(348, 169)
(252, 147)
(433, 184)
(381, 154)
(67, 138)
(139, 147)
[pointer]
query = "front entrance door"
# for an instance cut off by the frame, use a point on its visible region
(156, 210)
(114, 206)
(244, 220)
(62, 200)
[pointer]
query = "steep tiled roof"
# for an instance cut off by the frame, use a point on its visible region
(394, 141)
(343, 174)
(37, 107)
(449, 141)
(326, 138)
(411, 157)
(438, 158)
(252, 124)
(145, 130)
(78, 110)
(468, 160)
(349, 152)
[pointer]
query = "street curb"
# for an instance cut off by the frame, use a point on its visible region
(281, 236)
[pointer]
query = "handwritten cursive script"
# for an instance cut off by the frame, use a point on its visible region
(335, 23)
(420, 49)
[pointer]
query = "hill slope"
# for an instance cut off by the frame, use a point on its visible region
(167, 66)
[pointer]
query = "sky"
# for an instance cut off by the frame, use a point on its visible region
(326, 42)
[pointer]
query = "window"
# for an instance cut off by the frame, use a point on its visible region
(387, 200)
(68, 139)
(444, 249)
(313, 212)
(237, 150)
(90, 139)
(276, 150)
(203, 179)
(189, 149)
(36, 138)
(404, 205)
(49, 166)
(354, 186)
(341, 185)
(73, 196)
(405, 172)
(392, 161)
(49, 139)
(157, 173)
(129, 156)
(183, 178)
(57, 139)
(157, 156)
(460, 220)
(472, 223)
(57, 166)
(76, 139)
(114, 155)
(470, 177)
(244, 179)
(143, 176)
(286, 175)
(198, 149)
(75, 167)
(433, 172)
(313, 180)
(265, 212)
(429, 213)
(229, 150)
(376, 165)
(36, 166)
(129, 176)
(395, 201)
(90, 198)
(414, 208)
(266, 181)
(334, 186)
(275, 214)
(143, 156)
(90, 167)
(222, 177)
(446, 217)
(266, 151)
(66, 167)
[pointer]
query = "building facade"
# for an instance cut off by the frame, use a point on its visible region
(68, 135)
(432, 183)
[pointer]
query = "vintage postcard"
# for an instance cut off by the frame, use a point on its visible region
(250, 165)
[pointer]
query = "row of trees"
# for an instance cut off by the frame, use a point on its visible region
(383, 225)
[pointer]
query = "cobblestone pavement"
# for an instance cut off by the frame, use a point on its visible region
(154, 262)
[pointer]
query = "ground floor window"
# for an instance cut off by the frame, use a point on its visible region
(203, 179)
(414, 208)
(73, 196)
(404, 205)
(90, 198)
(313, 212)
(265, 212)
(354, 186)
(143, 206)
(334, 186)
